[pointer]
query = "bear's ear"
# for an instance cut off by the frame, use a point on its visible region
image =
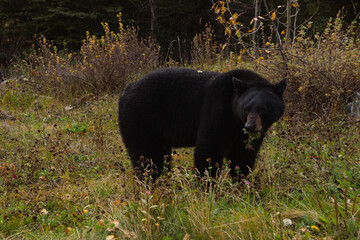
(239, 85)
(279, 87)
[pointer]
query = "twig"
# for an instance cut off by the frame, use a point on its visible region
(336, 211)
(319, 204)
(353, 207)
(345, 201)
(182, 63)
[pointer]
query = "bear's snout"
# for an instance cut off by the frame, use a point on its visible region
(253, 123)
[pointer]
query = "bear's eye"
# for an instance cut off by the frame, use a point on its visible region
(246, 109)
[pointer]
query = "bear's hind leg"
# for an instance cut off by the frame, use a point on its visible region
(148, 159)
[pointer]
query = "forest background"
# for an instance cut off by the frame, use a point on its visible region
(65, 22)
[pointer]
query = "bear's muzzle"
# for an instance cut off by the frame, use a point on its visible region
(253, 123)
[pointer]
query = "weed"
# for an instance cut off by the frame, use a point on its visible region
(104, 64)
(79, 183)
(322, 70)
(64, 171)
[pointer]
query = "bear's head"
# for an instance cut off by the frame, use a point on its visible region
(258, 105)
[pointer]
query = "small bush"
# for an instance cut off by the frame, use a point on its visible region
(323, 70)
(205, 49)
(104, 64)
(332, 67)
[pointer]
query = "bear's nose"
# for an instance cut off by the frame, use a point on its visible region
(250, 127)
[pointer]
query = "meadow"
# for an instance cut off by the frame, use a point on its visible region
(65, 173)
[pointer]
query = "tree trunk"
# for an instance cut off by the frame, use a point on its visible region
(154, 15)
(288, 23)
(255, 36)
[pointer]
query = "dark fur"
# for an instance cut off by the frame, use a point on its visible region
(183, 107)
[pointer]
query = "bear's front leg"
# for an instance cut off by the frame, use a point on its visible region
(215, 131)
(208, 158)
(242, 157)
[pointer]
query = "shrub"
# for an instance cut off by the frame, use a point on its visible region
(205, 49)
(104, 64)
(323, 70)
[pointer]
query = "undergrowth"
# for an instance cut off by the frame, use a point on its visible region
(64, 173)
(323, 70)
(104, 64)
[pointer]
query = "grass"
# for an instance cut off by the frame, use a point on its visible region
(64, 174)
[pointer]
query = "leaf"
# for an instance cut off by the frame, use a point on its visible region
(315, 228)
(68, 231)
(273, 16)
(113, 225)
(220, 19)
(187, 237)
(295, 4)
(44, 212)
(130, 235)
(227, 31)
(252, 20)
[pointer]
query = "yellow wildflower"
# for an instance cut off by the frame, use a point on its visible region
(315, 228)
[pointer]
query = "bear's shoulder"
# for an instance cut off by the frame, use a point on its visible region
(225, 80)
(247, 76)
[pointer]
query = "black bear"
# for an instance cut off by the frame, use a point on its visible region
(215, 112)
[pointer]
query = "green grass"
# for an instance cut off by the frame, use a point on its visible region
(64, 173)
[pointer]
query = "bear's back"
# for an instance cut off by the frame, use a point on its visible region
(169, 101)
